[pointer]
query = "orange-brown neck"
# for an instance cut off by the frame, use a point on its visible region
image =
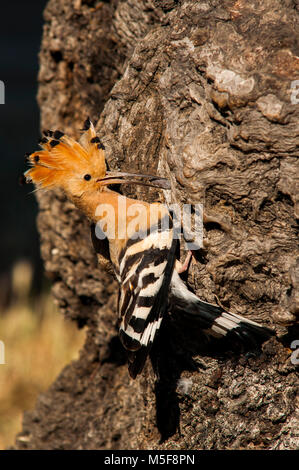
(113, 214)
(109, 206)
(119, 217)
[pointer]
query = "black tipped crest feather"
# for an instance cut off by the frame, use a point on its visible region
(86, 124)
(58, 134)
(53, 143)
(95, 140)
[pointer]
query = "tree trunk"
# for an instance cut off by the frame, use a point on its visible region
(202, 92)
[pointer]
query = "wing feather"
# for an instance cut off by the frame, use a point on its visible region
(145, 270)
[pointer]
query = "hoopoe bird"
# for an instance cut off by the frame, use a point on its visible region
(142, 250)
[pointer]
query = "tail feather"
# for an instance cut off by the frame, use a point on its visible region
(214, 320)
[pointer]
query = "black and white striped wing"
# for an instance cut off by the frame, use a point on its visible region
(145, 271)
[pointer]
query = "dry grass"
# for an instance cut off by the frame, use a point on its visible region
(38, 344)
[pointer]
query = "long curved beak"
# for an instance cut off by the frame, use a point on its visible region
(115, 177)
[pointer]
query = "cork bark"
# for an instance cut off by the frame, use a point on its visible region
(200, 92)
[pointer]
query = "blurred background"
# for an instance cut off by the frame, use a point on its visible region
(38, 341)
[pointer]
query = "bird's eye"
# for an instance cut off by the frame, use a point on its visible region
(87, 177)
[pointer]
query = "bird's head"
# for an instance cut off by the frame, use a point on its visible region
(78, 167)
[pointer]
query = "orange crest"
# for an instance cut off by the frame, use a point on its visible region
(63, 161)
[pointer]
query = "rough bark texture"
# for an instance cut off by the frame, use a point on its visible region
(199, 91)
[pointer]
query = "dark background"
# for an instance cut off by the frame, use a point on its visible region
(21, 26)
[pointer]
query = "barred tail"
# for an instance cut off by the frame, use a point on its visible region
(213, 319)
